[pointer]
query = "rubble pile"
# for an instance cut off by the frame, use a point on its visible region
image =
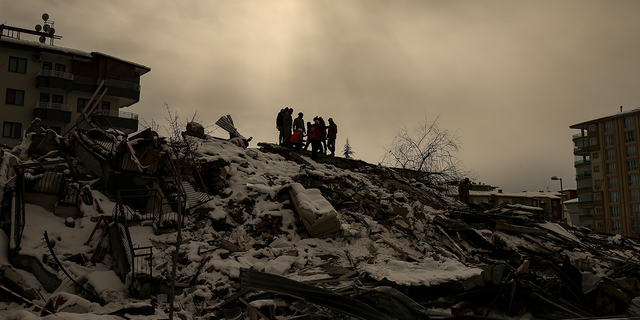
(268, 233)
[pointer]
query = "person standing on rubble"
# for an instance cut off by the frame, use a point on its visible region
(279, 125)
(332, 134)
(306, 146)
(323, 135)
(287, 122)
(315, 131)
(463, 190)
(298, 123)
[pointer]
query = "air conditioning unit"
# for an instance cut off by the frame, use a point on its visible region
(37, 57)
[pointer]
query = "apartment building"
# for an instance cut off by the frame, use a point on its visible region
(607, 176)
(54, 84)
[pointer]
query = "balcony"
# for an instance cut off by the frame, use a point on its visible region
(586, 216)
(582, 161)
(579, 135)
(583, 175)
(126, 121)
(582, 149)
(52, 111)
(54, 79)
(585, 189)
(117, 88)
(585, 202)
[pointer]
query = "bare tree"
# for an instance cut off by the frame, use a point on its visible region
(428, 150)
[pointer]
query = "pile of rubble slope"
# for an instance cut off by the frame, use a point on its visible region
(268, 233)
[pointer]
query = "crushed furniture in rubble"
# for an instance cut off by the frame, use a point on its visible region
(316, 213)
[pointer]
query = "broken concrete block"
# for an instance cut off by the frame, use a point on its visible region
(226, 244)
(402, 211)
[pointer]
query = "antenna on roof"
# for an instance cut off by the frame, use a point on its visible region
(47, 28)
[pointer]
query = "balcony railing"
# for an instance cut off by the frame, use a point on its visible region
(579, 135)
(54, 106)
(109, 82)
(586, 216)
(585, 202)
(117, 114)
(583, 148)
(585, 189)
(583, 175)
(56, 74)
(581, 162)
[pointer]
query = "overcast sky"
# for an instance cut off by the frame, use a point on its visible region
(509, 77)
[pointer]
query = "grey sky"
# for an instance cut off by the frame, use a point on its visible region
(508, 76)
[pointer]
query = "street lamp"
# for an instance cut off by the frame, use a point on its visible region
(561, 194)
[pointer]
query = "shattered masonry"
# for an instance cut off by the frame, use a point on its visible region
(267, 232)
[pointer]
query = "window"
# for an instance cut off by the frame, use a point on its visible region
(57, 101)
(632, 165)
(598, 210)
(633, 180)
(609, 140)
(632, 151)
(630, 136)
(614, 197)
(628, 122)
(636, 225)
(44, 100)
(616, 225)
(15, 97)
(46, 66)
(613, 182)
(611, 168)
(60, 67)
(611, 154)
(593, 141)
(12, 130)
(608, 126)
(634, 195)
(82, 102)
(597, 183)
(596, 168)
(599, 224)
(554, 203)
(615, 211)
(597, 196)
(592, 127)
(595, 155)
(635, 209)
(106, 105)
(18, 65)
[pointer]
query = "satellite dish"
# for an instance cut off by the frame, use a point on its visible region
(46, 28)
(42, 39)
(38, 27)
(52, 31)
(45, 16)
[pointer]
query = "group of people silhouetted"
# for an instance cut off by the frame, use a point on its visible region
(320, 136)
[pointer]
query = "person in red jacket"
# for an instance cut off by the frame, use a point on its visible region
(315, 131)
(296, 139)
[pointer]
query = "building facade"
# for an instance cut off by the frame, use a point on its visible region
(54, 84)
(607, 176)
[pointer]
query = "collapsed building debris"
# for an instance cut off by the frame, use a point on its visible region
(270, 233)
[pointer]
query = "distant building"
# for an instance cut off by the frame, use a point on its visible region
(549, 201)
(52, 83)
(607, 176)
